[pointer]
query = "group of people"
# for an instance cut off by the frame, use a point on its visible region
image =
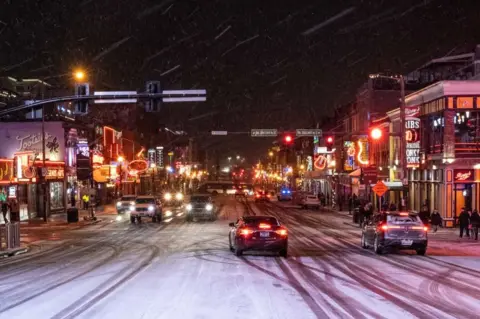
(12, 206)
(469, 220)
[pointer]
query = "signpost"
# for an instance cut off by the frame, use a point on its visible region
(264, 132)
(380, 188)
(309, 132)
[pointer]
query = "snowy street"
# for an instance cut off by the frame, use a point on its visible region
(176, 269)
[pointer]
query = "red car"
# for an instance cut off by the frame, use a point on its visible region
(264, 233)
(262, 196)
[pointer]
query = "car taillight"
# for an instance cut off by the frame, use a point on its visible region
(264, 226)
(420, 228)
(282, 232)
(386, 227)
(245, 231)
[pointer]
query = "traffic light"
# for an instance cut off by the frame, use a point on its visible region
(153, 105)
(81, 106)
(472, 128)
(329, 143)
(288, 139)
(376, 133)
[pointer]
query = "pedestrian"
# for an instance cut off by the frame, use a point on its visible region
(14, 210)
(4, 211)
(86, 199)
(464, 220)
(436, 220)
(424, 215)
(475, 220)
(392, 207)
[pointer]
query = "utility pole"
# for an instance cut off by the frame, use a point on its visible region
(403, 142)
(44, 169)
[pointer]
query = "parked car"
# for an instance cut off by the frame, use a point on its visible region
(310, 201)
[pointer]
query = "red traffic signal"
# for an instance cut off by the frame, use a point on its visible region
(288, 139)
(376, 133)
(329, 140)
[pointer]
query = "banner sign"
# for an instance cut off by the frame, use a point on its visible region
(159, 156)
(412, 136)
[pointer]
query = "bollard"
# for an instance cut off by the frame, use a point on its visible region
(12, 235)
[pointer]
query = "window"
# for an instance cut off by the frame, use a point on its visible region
(56, 195)
(145, 201)
(399, 220)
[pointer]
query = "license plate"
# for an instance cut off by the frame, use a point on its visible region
(407, 242)
(264, 234)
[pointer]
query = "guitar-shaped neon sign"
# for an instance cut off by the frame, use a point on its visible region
(320, 162)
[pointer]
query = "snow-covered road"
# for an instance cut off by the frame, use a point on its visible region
(185, 270)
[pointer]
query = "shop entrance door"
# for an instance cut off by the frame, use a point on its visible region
(463, 197)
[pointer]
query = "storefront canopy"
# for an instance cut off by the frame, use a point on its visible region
(356, 173)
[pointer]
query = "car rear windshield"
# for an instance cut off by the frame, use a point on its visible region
(398, 219)
(127, 198)
(258, 221)
(202, 199)
(145, 201)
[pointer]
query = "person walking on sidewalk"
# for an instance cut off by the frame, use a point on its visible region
(4, 211)
(85, 199)
(14, 210)
(464, 220)
(436, 220)
(475, 220)
(424, 215)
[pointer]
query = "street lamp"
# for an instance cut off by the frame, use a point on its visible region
(270, 154)
(79, 75)
(238, 157)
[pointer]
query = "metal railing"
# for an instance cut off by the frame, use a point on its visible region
(9, 236)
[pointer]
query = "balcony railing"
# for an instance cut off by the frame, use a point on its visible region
(460, 148)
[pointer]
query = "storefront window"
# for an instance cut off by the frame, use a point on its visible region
(56, 195)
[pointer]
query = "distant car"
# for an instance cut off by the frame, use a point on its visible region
(174, 199)
(399, 230)
(124, 203)
(146, 206)
(264, 233)
(284, 195)
(262, 196)
(310, 201)
(200, 207)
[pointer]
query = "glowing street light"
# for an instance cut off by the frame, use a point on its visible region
(270, 154)
(238, 157)
(79, 75)
(376, 133)
(120, 159)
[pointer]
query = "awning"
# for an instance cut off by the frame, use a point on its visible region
(392, 185)
(356, 173)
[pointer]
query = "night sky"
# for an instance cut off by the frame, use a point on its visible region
(279, 64)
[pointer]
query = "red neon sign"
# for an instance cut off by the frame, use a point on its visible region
(137, 167)
(463, 175)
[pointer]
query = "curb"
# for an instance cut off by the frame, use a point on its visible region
(13, 252)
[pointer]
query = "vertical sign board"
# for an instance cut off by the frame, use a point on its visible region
(159, 156)
(412, 136)
(151, 157)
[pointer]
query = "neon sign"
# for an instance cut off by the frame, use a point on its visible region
(412, 136)
(137, 167)
(320, 162)
(362, 156)
(462, 175)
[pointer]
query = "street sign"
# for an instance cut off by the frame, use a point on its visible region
(309, 132)
(262, 132)
(380, 188)
(370, 174)
(219, 132)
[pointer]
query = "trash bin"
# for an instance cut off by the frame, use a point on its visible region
(72, 215)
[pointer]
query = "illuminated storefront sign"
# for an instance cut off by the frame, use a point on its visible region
(55, 173)
(412, 136)
(362, 151)
(151, 157)
(137, 167)
(159, 156)
(349, 148)
(27, 137)
(320, 162)
(82, 148)
(6, 171)
(463, 175)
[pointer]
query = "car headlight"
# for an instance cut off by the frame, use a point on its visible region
(151, 208)
(119, 204)
(168, 213)
(179, 196)
(132, 203)
(132, 208)
(209, 207)
(168, 196)
(189, 207)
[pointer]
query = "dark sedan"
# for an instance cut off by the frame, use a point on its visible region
(395, 230)
(262, 233)
(200, 206)
(262, 196)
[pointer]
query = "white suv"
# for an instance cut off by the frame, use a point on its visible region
(310, 201)
(146, 206)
